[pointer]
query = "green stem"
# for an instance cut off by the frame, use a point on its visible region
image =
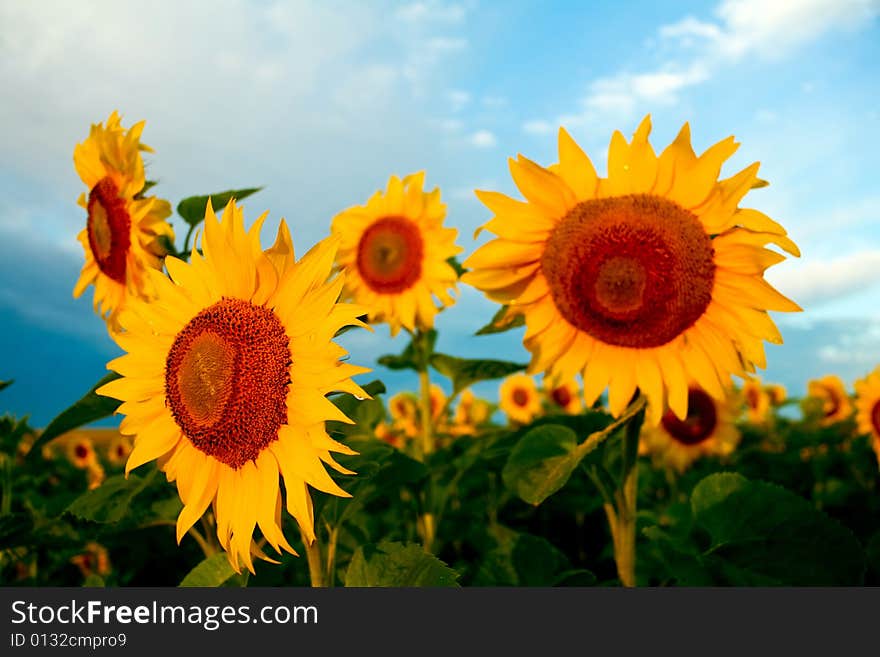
(624, 534)
(330, 570)
(207, 549)
(313, 555)
(427, 520)
(184, 253)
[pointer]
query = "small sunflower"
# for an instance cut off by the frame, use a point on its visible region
(394, 251)
(868, 408)
(831, 392)
(471, 412)
(708, 430)
(225, 379)
(645, 279)
(118, 450)
(94, 560)
(563, 396)
(777, 393)
(404, 410)
(518, 397)
(757, 401)
(81, 451)
(125, 234)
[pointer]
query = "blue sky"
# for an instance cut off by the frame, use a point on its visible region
(321, 102)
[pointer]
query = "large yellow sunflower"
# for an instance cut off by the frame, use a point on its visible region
(645, 279)
(707, 430)
(225, 380)
(394, 251)
(868, 408)
(830, 392)
(125, 232)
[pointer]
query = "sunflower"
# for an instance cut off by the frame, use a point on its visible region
(470, 413)
(757, 401)
(564, 396)
(118, 450)
(125, 234)
(94, 560)
(404, 410)
(708, 430)
(81, 451)
(868, 408)
(518, 397)
(225, 381)
(830, 393)
(777, 393)
(394, 251)
(645, 279)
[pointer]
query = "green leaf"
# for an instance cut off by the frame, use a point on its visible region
(456, 265)
(192, 209)
(502, 322)
(521, 559)
(365, 413)
(541, 462)
(90, 408)
(465, 372)
(110, 501)
(397, 565)
(6, 384)
(414, 356)
(148, 185)
(213, 571)
(763, 534)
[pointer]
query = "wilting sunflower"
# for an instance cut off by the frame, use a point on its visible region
(708, 430)
(830, 392)
(868, 408)
(518, 397)
(125, 234)
(645, 279)
(394, 251)
(563, 396)
(756, 400)
(225, 381)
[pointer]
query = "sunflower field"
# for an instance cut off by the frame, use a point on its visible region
(632, 441)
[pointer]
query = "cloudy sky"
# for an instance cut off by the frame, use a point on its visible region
(321, 102)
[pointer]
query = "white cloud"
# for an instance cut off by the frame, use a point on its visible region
(483, 139)
(459, 99)
(446, 44)
(538, 127)
(700, 48)
(814, 282)
(420, 12)
(494, 101)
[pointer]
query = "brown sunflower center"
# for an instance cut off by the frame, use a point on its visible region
(389, 257)
(875, 417)
(561, 396)
(633, 271)
(226, 380)
(752, 397)
(701, 420)
(520, 397)
(109, 229)
(81, 451)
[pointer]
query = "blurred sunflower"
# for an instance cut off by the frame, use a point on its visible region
(94, 560)
(394, 251)
(708, 430)
(777, 393)
(830, 392)
(225, 379)
(81, 451)
(564, 396)
(518, 397)
(438, 402)
(471, 412)
(118, 450)
(404, 410)
(645, 279)
(125, 234)
(868, 408)
(757, 401)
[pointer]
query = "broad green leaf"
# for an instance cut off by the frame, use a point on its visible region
(395, 564)
(90, 408)
(6, 384)
(213, 571)
(148, 185)
(414, 356)
(521, 559)
(110, 501)
(502, 322)
(15, 529)
(763, 534)
(192, 209)
(541, 462)
(465, 372)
